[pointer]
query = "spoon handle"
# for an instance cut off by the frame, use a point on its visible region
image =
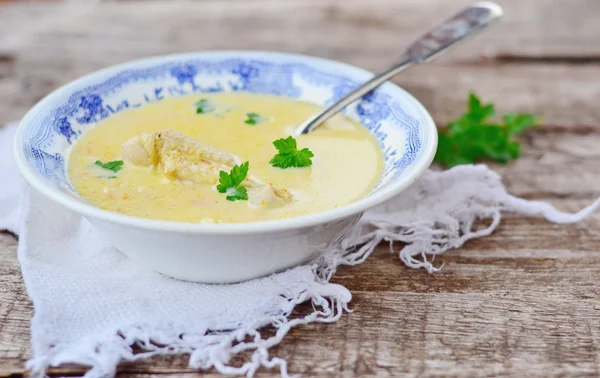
(446, 35)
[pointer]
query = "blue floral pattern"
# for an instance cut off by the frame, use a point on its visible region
(398, 125)
(185, 74)
(93, 109)
(259, 77)
(63, 126)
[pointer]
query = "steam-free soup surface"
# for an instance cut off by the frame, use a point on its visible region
(347, 159)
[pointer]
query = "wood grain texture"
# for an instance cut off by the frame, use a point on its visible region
(539, 58)
(522, 302)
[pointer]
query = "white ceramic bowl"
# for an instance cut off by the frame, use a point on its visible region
(219, 253)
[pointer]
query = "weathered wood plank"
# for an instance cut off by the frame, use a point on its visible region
(555, 164)
(45, 46)
(561, 94)
(15, 309)
(352, 27)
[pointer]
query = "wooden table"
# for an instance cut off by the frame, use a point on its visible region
(522, 302)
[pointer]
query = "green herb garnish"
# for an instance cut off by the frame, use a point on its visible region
(253, 118)
(289, 155)
(114, 166)
(231, 183)
(204, 106)
(473, 137)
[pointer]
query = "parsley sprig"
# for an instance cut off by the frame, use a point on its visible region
(114, 166)
(204, 106)
(289, 155)
(253, 118)
(231, 183)
(473, 137)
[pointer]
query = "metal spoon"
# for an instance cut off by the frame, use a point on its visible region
(464, 24)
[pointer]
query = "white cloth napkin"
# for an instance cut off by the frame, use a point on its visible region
(92, 304)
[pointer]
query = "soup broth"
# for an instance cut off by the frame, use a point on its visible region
(163, 160)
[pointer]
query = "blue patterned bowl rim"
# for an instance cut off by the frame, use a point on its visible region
(420, 146)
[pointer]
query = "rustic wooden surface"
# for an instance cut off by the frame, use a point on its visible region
(522, 302)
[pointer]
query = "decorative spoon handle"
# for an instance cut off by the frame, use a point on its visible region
(464, 24)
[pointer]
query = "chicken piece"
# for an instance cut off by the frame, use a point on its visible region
(184, 158)
(140, 150)
(178, 156)
(266, 195)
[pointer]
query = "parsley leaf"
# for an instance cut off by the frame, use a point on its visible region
(231, 183)
(473, 137)
(289, 155)
(253, 118)
(204, 106)
(114, 166)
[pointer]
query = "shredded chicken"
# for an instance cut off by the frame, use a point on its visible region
(178, 156)
(183, 158)
(266, 195)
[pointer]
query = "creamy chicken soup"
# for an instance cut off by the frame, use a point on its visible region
(223, 158)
